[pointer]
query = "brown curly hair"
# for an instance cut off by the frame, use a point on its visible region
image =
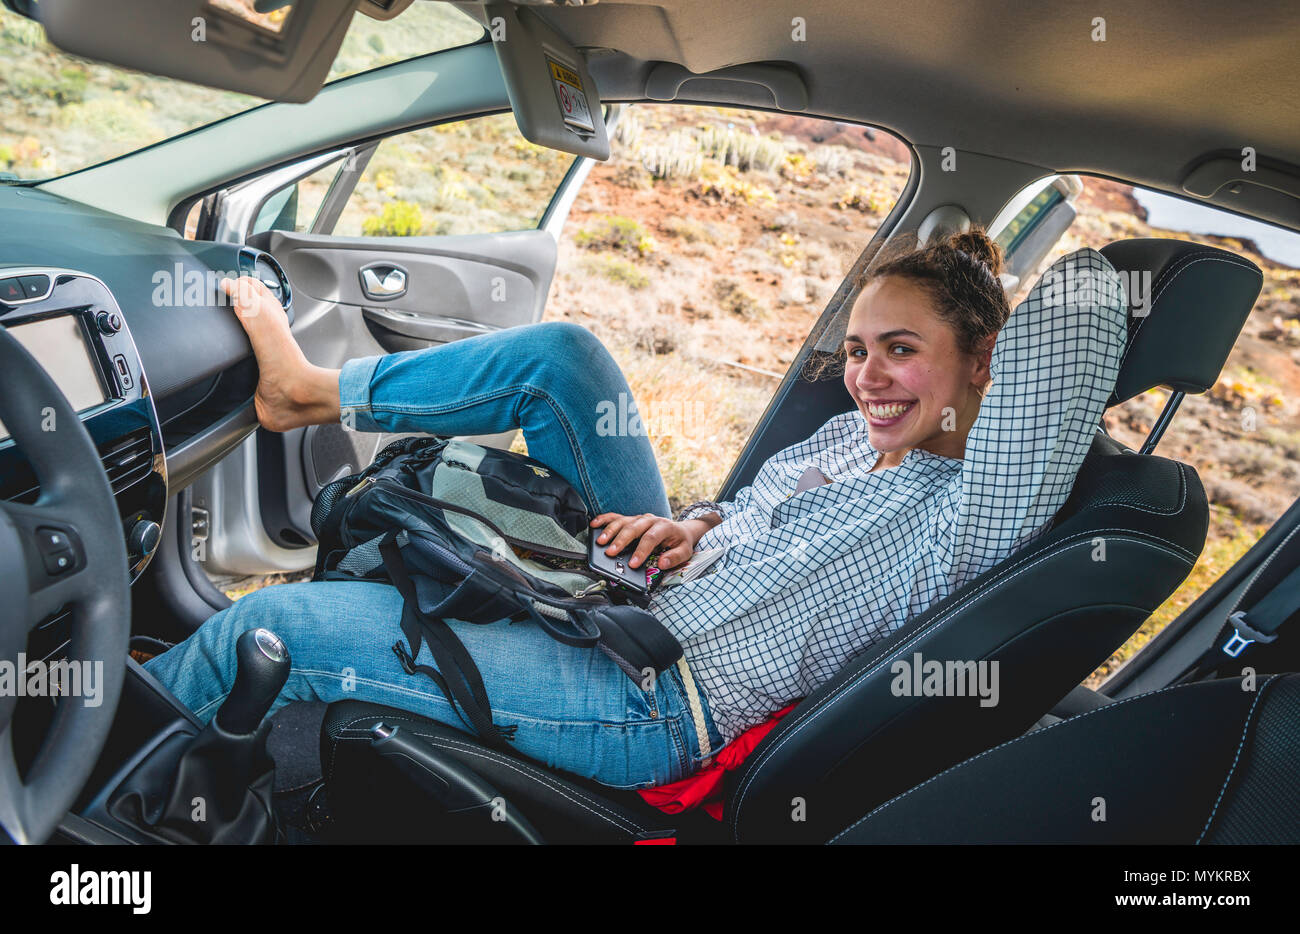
(960, 273)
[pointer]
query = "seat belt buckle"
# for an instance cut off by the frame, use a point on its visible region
(1236, 644)
(1243, 635)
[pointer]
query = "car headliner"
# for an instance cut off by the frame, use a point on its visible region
(1168, 86)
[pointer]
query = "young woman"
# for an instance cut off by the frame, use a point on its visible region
(932, 479)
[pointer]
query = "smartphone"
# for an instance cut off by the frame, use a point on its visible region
(616, 568)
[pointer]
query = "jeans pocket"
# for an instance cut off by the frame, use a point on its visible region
(643, 703)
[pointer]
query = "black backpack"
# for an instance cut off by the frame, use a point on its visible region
(479, 534)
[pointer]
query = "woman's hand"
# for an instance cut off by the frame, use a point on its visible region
(677, 538)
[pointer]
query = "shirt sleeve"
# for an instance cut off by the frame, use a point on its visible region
(1054, 366)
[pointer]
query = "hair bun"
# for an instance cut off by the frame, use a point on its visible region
(976, 243)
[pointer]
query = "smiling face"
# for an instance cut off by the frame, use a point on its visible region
(906, 373)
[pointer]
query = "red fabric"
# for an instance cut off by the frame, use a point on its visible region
(705, 786)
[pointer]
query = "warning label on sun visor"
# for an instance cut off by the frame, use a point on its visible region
(571, 97)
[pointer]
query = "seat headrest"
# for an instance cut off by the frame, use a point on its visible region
(1187, 304)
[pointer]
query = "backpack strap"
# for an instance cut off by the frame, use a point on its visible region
(456, 675)
(635, 640)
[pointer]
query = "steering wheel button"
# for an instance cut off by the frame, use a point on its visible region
(59, 562)
(50, 541)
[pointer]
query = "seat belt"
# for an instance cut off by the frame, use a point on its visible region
(1256, 620)
(1262, 622)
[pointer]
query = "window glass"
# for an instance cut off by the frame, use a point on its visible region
(468, 177)
(1241, 436)
(295, 207)
(60, 113)
(703, 252)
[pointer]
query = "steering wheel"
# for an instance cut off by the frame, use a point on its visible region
(64, 550)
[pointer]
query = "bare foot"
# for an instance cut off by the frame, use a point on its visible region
(291, 390)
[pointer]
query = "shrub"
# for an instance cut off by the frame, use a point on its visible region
(744, 151)
(397, 219)
(858, 198)
(655, 338)
(678, 156)
(22, 31)
(616, 233)
(834, 160)
(686, 229)
(617, 269)
(735, 300)
(723, 185)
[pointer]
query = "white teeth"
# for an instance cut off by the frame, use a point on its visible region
(889, 411)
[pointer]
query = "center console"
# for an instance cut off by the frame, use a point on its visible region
(158, 757)
(72, 325)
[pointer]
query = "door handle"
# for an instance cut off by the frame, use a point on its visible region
(383, 281)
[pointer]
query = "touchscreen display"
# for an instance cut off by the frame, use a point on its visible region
(59, 345)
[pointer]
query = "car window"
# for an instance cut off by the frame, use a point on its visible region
(1241, 435)
(296, 207)
(703, 252)
(60, 113)
(468, 177)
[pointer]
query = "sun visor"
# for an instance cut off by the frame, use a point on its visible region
(554, 98)
(277, 49)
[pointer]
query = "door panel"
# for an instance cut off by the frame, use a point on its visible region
(454, 286)
(494, 204)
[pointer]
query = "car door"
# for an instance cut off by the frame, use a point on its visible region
(402, 243)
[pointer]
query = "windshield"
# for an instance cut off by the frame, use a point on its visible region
(60, 113)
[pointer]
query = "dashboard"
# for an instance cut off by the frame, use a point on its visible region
(130, 322)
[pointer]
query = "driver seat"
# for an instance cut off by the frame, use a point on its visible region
(1048, 616)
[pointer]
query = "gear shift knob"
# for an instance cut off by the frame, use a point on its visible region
(262, 668)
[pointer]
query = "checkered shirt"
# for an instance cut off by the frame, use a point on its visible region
(811, 580)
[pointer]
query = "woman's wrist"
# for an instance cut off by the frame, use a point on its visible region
(702, 509)
(696, 528)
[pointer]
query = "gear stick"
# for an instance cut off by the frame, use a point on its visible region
(216, 787)
(262, 667)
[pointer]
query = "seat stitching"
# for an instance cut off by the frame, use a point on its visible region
(1191, 259)
(1145, 507)
(1236, 758)
(1010, 574)
(1010, 742)
(591, 804)
(542, 777)
(1166, 280)
(1206, 252)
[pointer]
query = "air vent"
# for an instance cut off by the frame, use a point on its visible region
(263, 266)
(126, 460)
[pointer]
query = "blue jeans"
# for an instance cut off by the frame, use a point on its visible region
(573, 709)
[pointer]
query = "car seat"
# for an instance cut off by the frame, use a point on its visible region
(1048, 615)
(1207, 762)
